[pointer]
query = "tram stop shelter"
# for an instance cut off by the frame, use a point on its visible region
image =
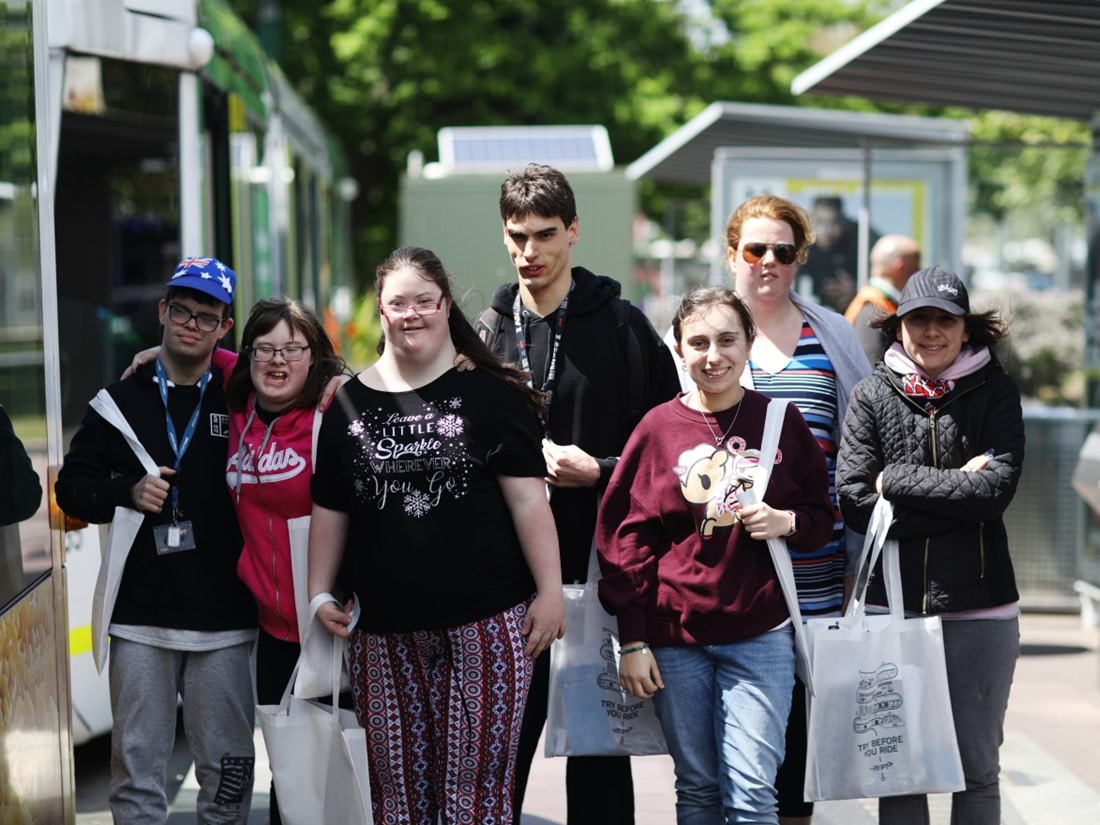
(1029, 56)
(898, 173)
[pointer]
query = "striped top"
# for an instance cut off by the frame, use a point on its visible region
(809, 382)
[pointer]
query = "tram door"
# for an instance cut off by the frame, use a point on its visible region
(117, 198)
(35, 746)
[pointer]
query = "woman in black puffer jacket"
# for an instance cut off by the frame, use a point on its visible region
(937, 429)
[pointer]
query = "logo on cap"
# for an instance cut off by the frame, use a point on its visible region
(949, 289)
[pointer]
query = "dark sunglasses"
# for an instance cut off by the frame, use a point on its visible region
(785, 253)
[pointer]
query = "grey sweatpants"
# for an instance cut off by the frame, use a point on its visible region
(218, 715)
(981, 660)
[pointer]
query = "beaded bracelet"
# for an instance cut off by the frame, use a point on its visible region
(638, 648)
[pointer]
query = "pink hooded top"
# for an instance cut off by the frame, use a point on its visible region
(268, 473)
(276, 465)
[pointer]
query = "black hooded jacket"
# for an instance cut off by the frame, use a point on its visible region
(593, 400)
(952, 538)
(192, 590)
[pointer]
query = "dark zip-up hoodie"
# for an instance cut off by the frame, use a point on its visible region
(591, 404)
(190, 590)
(952, 538)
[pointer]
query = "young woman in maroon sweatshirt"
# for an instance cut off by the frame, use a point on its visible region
(686, 568)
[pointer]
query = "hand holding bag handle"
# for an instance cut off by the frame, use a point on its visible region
(312, 671)
(777, 548)
(318, 754)
(586, 705)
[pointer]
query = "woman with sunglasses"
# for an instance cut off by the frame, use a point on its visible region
(810, 356)
(430, 492)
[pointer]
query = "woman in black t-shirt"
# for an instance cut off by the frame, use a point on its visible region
(430, 481)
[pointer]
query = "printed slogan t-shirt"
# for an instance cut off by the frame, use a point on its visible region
(431, 543)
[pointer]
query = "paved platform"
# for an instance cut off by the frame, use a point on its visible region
(1050, 760)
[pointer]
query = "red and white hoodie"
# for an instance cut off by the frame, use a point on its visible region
(273, 465)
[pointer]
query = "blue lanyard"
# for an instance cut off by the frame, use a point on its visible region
(551, 379)
(179, 446)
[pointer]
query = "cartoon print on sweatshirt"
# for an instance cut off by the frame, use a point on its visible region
(412, 458)
(712, 477)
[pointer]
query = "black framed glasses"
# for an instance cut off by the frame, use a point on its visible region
(399, 309)
(785, 253)
(266, 352)
(182, 316)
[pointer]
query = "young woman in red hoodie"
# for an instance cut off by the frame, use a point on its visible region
(686, 569)
(274, 395)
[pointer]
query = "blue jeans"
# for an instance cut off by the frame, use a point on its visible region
(724, 713)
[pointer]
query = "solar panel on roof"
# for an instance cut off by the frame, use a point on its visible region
(496, 148)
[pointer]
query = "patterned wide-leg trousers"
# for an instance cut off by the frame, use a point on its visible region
(442, 710)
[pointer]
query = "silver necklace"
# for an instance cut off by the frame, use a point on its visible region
(718, 439)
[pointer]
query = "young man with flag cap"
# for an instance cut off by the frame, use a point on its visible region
(181, 624)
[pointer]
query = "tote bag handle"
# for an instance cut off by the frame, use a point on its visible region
(875, 545)
(108, 409)
(337, 661)
(777, 548)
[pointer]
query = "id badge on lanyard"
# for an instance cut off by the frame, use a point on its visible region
(179, 535)
(551, 381)
(174, 538)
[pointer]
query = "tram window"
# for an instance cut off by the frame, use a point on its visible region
(24, 526)
(118, 200)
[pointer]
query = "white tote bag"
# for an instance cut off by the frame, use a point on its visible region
(318, 756)
(120, 537)
(589, 713)
(880, 720)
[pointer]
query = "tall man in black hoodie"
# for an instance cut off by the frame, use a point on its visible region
(603, 366)
(180, 621)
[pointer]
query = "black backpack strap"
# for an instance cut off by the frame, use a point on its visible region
(632, 348)
(487, 326)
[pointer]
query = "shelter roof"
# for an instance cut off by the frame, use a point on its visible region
(1034, 56)
(685, 156)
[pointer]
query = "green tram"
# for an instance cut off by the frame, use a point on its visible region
(133, 133)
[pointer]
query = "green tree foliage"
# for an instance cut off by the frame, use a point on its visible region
(1022, 163)
(751, 52)
(386, 75)
(771, 41)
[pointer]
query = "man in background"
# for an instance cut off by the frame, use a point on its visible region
(893, 260)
